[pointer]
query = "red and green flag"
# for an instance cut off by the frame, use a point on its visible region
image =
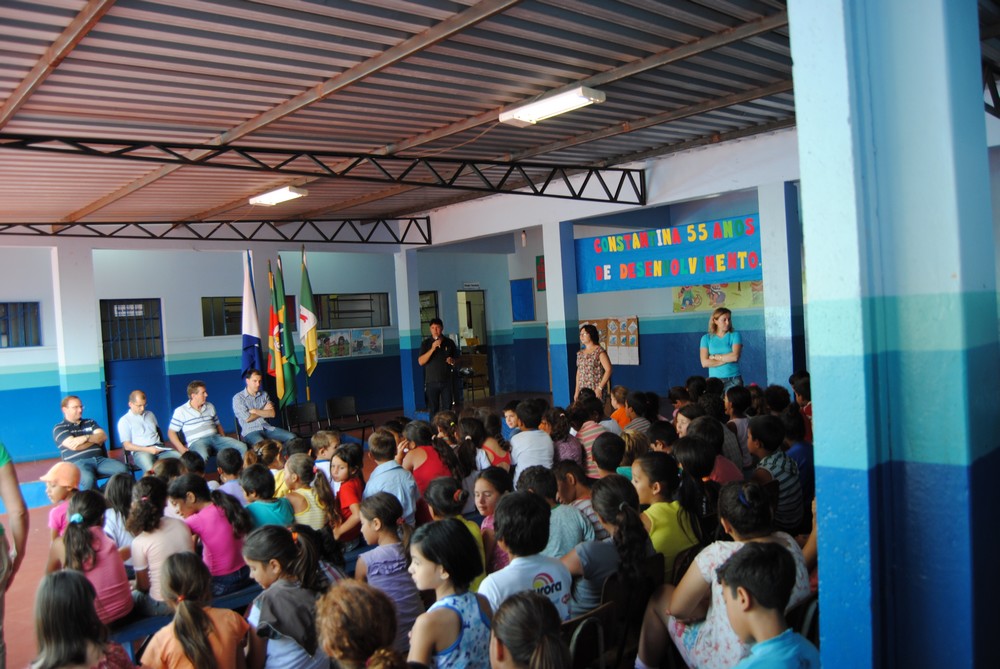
(281, 362)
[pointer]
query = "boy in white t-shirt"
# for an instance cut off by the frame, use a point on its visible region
(530, 446)
(522, 529)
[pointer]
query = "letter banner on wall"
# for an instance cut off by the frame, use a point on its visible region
(721, 251)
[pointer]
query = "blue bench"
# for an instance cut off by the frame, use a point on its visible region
(143, 628)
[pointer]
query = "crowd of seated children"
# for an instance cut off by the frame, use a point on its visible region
(567, 525)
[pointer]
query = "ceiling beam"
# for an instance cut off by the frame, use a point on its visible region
(660, 59)
(391, 56)
(77, 29)
(604, 133)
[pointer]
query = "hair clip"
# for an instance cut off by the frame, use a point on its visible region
(622, 506)
(742, 498)
(400, 521)
(295, 536)
(457, 494)
(76, 519)
(144, 498)
(180, 598)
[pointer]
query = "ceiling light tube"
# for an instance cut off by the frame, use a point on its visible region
(531, 113)
(278, 196)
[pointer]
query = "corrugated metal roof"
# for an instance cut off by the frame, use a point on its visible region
(426, 77)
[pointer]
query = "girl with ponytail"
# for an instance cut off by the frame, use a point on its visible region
(617, 506)
(669, 521)
(357, 626)
(703, 634)
(310, 494)
(220, 522)
(385, 566)
(427, 457)
(156, 539)
(283, 618)
(199, 635)
(526, 634)
(85, 547)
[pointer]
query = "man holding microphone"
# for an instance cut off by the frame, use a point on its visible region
(437, 356)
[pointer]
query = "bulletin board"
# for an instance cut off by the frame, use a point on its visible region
(619, 337)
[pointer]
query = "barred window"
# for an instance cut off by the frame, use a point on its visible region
(20, 324)
(355, 310)
(131, 329)
(222, 316)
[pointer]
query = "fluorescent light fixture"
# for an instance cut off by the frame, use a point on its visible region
(531, 113)
(278, 196)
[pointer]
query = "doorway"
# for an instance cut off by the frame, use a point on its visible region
(474, 343)
(132, 334)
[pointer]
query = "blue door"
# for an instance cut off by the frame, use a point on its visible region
(132, 334)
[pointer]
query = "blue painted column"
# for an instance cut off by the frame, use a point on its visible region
(561, 303)
(78, 327)
(781, 249)
(902, 321)
(408, 318)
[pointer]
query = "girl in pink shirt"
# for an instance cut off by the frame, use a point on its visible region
(86, 548)
(220, 522)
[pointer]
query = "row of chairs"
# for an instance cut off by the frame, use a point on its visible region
(341, 414)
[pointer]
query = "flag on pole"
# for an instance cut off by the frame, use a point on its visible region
(307, 323)
(281, 363)
(253, 357)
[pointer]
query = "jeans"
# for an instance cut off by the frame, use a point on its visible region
(213, 443)
(145, 460)
(731, 381)
(146, 606)
(274, 433)
(97, 467)
(439, 396)
(227, 583)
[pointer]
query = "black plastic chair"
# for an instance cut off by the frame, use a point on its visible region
(342, 414)
(299, 416)
(585, 635)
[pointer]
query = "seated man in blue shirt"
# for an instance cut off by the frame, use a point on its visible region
(252, 407)
(81, 441)
(202, 430)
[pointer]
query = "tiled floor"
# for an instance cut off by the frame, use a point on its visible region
(18, 628)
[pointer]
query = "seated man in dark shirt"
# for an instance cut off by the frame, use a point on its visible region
(81, 441)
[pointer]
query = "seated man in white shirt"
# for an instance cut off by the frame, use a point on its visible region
(139, 433)
(202, 430)
(522, 529)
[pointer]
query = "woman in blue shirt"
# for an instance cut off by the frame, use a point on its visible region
(721, 348)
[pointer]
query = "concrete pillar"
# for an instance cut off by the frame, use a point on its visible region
(78, 328)
(781, 248)
(408, 318)
(902, 322)
(561, 305)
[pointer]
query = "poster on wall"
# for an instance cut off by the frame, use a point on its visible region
(333, 344)
(540, 273)
(619, 337)
(366, 341)
(721, 251)
(739, 295)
